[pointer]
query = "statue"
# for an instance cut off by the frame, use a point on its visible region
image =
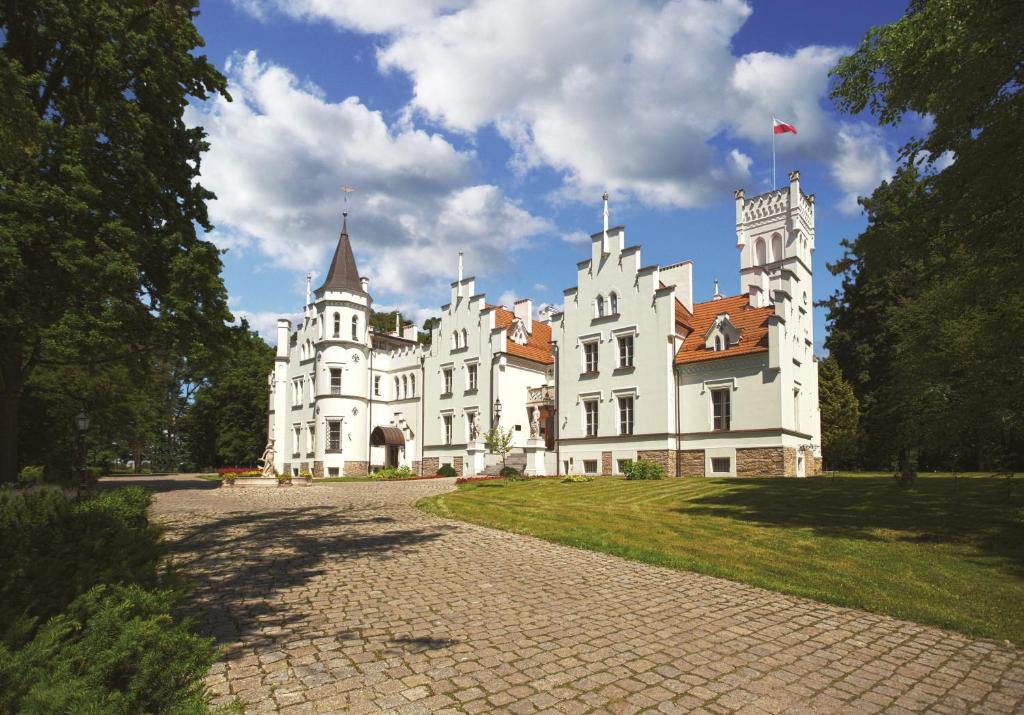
(535, 423)
(474, 427)
(268, 460)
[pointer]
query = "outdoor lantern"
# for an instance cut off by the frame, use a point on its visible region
(82, 420)
(497, 406)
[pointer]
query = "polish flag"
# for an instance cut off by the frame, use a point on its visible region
(781, 127)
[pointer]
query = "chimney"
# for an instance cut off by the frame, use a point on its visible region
(365, 282)
(409, 332)
(523, 310)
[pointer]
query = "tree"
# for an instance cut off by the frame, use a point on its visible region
(840, 416)
(426, 334)
(931, 288)
(99, 198)
(385, 322)
(499, 442)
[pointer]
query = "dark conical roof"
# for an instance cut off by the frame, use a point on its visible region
(343, 274)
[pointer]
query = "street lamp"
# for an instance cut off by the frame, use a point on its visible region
(82, 422)
(497, 410)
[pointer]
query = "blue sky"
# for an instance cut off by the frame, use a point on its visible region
(492, 126)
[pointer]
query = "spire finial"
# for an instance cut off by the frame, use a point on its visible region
(309, 288)
(717, 295)
(604, 198)
(460, 266)
(398, 324)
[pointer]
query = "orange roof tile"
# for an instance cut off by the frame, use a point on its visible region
(752, 323)
(538, 343)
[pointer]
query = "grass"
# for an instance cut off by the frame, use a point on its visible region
(947, 551)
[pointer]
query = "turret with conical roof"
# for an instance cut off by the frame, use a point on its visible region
(343, 274)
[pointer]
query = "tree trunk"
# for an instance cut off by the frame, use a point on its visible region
(907, 466)
(9, 434)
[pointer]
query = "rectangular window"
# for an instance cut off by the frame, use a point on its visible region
(376, 385)
(796, 410)
(310, 438)
(722, 409)
(625, 415)
(296, 436)
(626, 351)
(447, 429)
(590, 466)
(296, 392)
(335, 380)
(471, 376)
(334, 435)
(720, 465)
(590, 412)
(590, 357)
(332, 472)
(447, 381)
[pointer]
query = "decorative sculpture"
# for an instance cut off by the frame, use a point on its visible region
(535, 423)
(474, 427)
(268, 469)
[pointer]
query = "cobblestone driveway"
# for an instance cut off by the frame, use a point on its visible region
(344, 598)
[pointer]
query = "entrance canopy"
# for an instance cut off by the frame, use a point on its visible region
(390, 436)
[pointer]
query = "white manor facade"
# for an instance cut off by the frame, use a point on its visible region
(630, 369)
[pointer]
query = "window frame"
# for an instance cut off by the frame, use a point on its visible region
(721, 422)
(334, 442)
(472, 377)
(335, 372)
(622, 354)
(624, 429)
(588, 429)
(447, 421)
(588, 346)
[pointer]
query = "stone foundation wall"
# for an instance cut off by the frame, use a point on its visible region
(416, 467)
(355, 469)
(430, 466)
(287, 468)
(457, 464)
(691, 462)
(606, 463)
(318, 470)
(303, 467)
(765, 462)
(819, 466)
(789, 462)
(665, 457)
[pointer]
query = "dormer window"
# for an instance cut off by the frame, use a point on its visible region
(517, 333)
(718, 343)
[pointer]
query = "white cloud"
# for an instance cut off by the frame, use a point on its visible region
(861, 163)
(280, 152)
(579, 237)
(363, 15)
(265, 323)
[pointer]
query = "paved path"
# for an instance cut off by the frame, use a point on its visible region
(344, 598)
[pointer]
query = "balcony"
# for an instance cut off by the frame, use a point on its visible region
(544, 395)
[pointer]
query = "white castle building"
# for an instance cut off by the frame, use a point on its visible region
(630, 369)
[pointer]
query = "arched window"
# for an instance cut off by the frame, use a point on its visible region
(337, 325)
(396, 389)
(455, 340)
(718, 343)
(412, 384)
(405, 386)
(759, 253)
(613, 301)
(776, 247)
(465, 338)
(600, 306)
(355, 327)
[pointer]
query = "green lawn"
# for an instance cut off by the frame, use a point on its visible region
(945, 552)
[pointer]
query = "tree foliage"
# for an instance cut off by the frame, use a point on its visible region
(931, 294)
(99, 198)
(840, 416)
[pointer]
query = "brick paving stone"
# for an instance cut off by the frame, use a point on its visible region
(345, 598)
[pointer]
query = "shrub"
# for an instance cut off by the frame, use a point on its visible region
(509, 472)
(238, 471)
(31, 475)
(643, 469)
(305, 474)
(53, 549)
(393, 473)
(576, 479)
(446, 470)
(284, 478)
(115, 649)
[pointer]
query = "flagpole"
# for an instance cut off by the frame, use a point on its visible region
(773, 152)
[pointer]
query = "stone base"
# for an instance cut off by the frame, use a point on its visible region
(606, 463)
(818, 465)
(665, 457)
(255, 482)
(766, 462)
(355, 469)
(535, 452)
(416, 464)
(430, 466)
(457, 464)
(691, 462)
(318, 470)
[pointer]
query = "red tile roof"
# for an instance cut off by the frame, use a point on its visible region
(538, 343)
(752, 323)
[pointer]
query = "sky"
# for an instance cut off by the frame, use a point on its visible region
(492, 127)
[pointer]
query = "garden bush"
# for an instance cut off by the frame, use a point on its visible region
(393, 473)
(643, 469)
(446, 470)
(576, 479)
(115, 649)
(31, 475)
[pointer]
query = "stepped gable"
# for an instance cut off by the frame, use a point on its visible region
(538, 343)
(343, 274)
(752, 324)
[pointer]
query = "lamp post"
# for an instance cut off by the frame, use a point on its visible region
(82, 422)
(497, 411)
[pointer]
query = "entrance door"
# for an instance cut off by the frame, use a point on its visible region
(392, 458)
